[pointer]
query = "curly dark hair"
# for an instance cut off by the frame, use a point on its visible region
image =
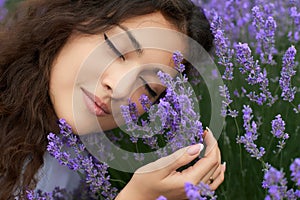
(30, 40)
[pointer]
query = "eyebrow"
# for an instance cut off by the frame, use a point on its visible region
(133, 40)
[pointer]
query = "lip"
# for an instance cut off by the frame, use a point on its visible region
(95, 105)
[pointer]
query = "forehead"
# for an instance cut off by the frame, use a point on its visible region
(149, 20)
(153, 30)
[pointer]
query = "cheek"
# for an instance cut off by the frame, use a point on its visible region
(61, 93)
(62, 83)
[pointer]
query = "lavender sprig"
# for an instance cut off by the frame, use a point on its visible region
(57, 193)
(96, 173)
(223, 51)
(226, 110)
(275, 182)
(251, 135)
(288, 70)
(294, 34)
(256, 76)
(295, 169)
(199, 192)
(278, 128)
(265, 32)
(178, 58)
(269, 41)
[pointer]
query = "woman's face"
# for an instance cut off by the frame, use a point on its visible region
(93, 75)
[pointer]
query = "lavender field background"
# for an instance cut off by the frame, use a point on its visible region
(257, 53)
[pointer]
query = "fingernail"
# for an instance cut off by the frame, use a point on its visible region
(208, 130)
(195, 149)
(224, 164)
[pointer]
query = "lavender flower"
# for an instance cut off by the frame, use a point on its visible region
(265, 33)
(258, 22)
(139, 156)
(235, 15)
(255, 75)
(224, 92)
(244, 58)
(268, 20)
(297, 109)
(130, 115)
(199, 192)
(145, 101)
(178, 58)
(57, 193)
(97, 177)
(294, 35)
(174, 115)
(223, 51)
(275, 182)
(133, 111)
(3, 10)
(96, 173)
(278, 128)
(269, 40)
(161, 198)
(251, 135)
(295, 169)
(288, 66)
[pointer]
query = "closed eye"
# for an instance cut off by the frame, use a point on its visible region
(113, 47)
(148, 88)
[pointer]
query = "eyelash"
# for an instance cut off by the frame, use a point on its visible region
(113, 48)
(148, 88)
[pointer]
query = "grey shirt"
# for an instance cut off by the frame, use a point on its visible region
(52, 175)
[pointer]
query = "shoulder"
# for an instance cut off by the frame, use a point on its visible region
(53, 175)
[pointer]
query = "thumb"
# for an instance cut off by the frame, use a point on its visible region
(172, 162)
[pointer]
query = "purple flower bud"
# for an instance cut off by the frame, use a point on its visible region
(297, 109)
(178, 58)
(161, 198)
(295, 169)
(278, 127)
(145, 101)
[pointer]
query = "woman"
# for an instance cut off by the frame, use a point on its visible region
(42, 48)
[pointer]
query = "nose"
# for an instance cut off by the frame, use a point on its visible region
(119, 79)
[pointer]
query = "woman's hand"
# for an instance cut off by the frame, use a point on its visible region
(151, 180)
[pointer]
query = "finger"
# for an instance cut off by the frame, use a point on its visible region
(204, 166)
(211, 176)
(219, 179)
(172, 162)
(209, 141)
